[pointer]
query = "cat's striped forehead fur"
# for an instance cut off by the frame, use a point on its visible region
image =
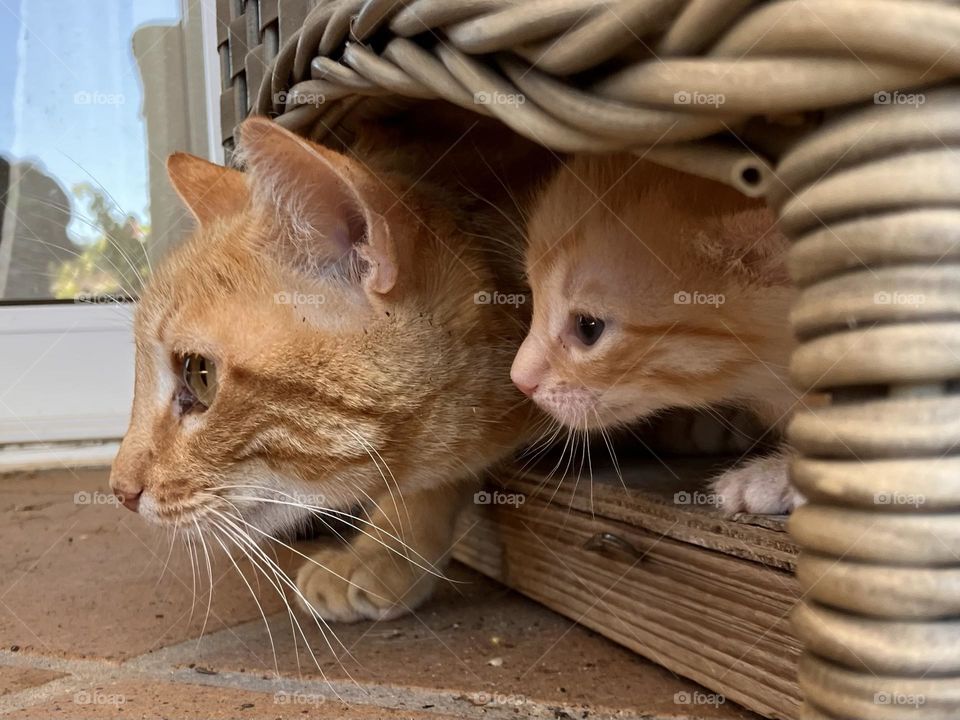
(338, 305)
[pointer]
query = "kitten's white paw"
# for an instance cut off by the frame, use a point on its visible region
(760, 486)
(362, 583)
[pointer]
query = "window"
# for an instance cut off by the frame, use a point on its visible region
(92, 103)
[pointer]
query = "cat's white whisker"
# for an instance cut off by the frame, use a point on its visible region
(278, 576)
(340, 517)
(273, 647)
(574, 433)
(563, 452)
(370, 450)
(331, 513)
(544, 443)
(613, 455)
(586, 436)
(70, 213)
(194, 562)
(240, 535)
(297, 552)
(173, 539)
(206, 555)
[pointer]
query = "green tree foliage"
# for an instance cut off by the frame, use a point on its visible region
(115, 262)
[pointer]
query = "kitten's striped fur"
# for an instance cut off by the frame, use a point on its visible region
(688, 276)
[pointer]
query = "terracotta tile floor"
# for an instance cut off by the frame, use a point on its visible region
(89, 628)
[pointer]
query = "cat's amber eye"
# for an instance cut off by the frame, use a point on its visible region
(588, 329)
(200, 378)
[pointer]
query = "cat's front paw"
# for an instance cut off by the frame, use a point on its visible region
(362, 583)
(760, 486)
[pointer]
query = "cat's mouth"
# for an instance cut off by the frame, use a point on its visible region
(576, 408)
(260, 511)
(580, 408)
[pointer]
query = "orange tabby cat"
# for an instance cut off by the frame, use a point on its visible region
(317, 345)
(653, 289)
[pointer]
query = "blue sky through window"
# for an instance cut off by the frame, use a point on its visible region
(70, 93)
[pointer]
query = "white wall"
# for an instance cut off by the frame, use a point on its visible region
(66, 372)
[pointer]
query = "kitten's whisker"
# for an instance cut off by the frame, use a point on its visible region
(398, 531)
(573, 453)
(609, 443)
(294, 625)
(541, 429)
(583, 456)
(563, 452)
(586, 434)
(533, 449)
(545, 444)
(728, 424)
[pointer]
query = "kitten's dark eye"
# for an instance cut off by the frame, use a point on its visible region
(200, 378)
(589, 329)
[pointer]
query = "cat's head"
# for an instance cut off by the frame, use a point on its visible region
(651, 289)
(293, 349)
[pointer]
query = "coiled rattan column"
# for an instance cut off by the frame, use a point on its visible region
(871, 201)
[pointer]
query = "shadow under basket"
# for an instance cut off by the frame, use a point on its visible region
(641, 556)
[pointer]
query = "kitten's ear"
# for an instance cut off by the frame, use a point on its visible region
(747, 243)
(209, 191)
(764, 244)
(325, 205)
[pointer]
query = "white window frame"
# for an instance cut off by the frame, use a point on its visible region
(66, 370)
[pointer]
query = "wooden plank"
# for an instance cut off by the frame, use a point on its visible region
(707, 614)
(664, 497)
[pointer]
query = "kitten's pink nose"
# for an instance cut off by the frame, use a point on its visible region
(130, 500)
(527, 390)
(525, 384)
(528, 367)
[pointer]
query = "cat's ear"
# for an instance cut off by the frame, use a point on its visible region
(209, 191)
(744, 243)
(327, 206)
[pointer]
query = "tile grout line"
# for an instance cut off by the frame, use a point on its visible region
(159, 667)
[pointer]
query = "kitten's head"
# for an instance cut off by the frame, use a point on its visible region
(295, 349)
(651, 289)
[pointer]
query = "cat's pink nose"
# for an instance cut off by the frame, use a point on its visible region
(526, 389)
(130, 500)
(529, 366)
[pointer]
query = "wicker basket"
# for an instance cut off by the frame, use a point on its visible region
(841, 114)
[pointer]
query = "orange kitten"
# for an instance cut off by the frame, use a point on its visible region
(653, 289)
(316, 345)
